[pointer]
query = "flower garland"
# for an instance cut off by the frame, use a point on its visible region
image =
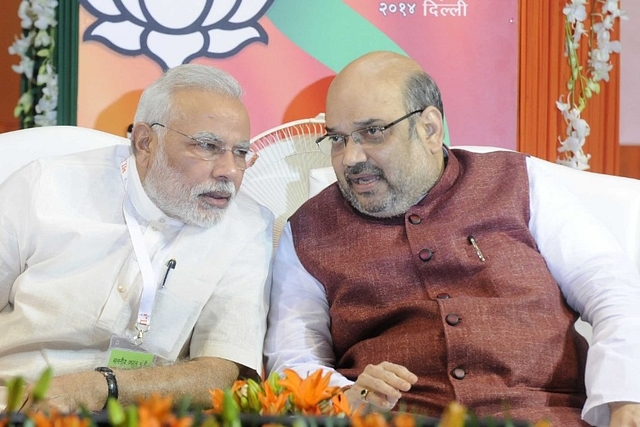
(583, 84)
(35, 47)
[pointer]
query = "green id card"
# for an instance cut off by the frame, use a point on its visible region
(124, 355)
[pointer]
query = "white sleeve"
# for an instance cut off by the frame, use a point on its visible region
(298, 334)
(598, 280)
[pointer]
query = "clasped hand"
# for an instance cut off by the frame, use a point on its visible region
(380, 385)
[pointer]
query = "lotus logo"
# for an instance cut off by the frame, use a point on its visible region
(174, 32)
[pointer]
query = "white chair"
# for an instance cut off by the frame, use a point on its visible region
(22, 146)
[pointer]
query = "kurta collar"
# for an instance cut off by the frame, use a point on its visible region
(446, 181)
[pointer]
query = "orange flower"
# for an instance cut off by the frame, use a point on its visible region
(404, 420)
(217, 399)
(56, 419)
(291, 380)
(542, 423)
(237, 385)
(272, 404)
(156, 406)
(309, 392)
(156, 411)
(340, 405)
(372, 419)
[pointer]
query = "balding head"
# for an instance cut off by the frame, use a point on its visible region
(375, 67)
(384, 79)
(389, 114)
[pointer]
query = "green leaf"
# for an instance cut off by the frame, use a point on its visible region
(230, 411)
(594, 86)
(15, 393)
(17, 111)
(253, 390)
(115, 412)
(210, 422)
(182, 410)
(299, 422)
(43, 53)
(131, 416)
(40, 388)
(274, 382)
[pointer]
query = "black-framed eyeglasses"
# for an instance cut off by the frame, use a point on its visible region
(369, 137)
(209, 147)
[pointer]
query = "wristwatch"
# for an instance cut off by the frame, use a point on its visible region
(112, 384)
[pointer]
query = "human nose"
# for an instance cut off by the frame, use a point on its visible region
(353, 153)
(225, 165)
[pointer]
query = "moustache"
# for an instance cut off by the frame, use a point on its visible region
(363, 168)
(223, 188)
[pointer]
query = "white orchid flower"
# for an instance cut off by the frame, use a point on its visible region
(21, 45)
(575, 11)
(25, 67)
(583, 81)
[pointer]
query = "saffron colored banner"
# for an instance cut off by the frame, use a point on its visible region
(286, 52)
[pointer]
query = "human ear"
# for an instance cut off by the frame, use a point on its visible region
(142, 140)
(430, 130)
(433, 126)
(141, 136)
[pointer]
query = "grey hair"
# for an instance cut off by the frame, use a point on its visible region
(421, 91)
(155, 102)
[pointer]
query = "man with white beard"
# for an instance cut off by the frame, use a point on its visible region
(132, 274)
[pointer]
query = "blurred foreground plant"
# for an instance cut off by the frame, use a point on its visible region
(278, 401)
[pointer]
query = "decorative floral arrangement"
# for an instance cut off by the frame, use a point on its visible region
(584, 82)
(277, 401)
(277, 396)
(36, 48)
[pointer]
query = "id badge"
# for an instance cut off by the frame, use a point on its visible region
(123, 354)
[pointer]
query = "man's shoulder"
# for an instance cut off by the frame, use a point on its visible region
(250, 207)
(245, 216)
(99, 156)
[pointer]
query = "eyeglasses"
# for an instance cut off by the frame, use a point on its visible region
(209, 147)
(369, 137)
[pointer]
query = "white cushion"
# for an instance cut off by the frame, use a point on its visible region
(22, 146)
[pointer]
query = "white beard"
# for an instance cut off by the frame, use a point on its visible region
(167, 190)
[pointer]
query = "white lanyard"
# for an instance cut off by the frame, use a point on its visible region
(149, 277)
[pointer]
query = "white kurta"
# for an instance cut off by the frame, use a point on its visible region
(70, 280)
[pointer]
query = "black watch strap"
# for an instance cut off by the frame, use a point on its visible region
(112, 384)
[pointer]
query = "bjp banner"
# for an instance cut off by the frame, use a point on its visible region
(286, 52)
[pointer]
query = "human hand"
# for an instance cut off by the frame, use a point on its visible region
(68, 393)
(380, 385)
(624, 414)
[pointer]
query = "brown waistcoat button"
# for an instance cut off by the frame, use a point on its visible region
(415, 219)
(452, 319)
(458, 373)
(443, 295)
(425, 254)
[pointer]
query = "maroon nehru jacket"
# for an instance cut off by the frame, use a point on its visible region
(484, 325)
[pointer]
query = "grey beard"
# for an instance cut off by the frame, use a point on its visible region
(166, 189)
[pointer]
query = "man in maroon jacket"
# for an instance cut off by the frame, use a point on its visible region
(427, 275)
